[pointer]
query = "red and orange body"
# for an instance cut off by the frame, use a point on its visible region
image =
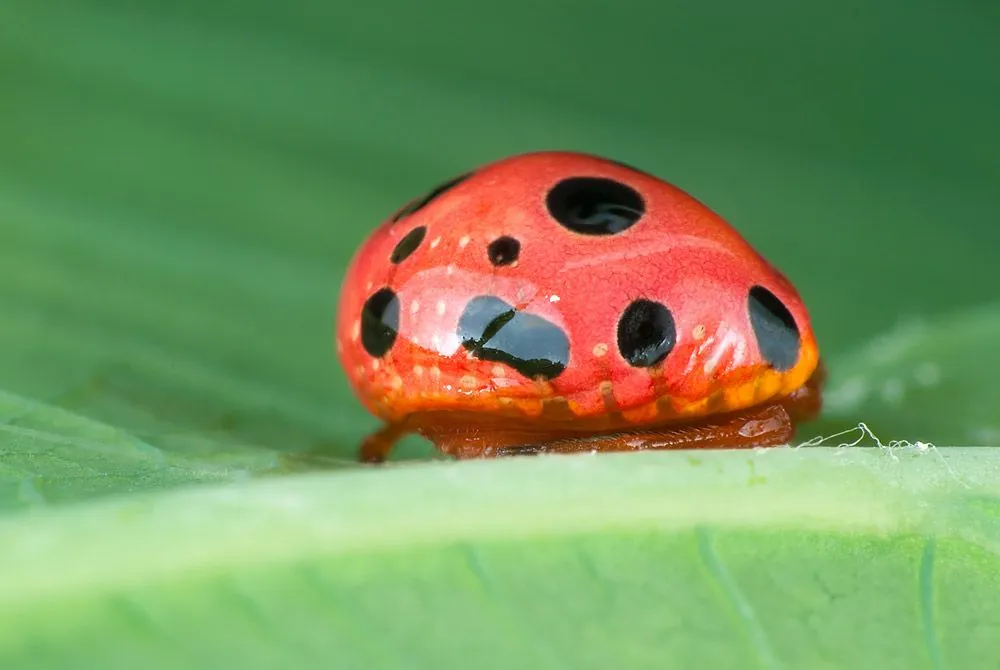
(557, 301)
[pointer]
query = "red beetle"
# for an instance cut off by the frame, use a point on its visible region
(562, 302)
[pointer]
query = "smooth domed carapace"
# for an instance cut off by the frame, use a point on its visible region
(558, 301)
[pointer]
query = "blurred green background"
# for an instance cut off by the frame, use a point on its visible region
(183, 181)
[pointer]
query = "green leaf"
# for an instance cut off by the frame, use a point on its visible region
(928, 380)
(773, 558)
(182, 183)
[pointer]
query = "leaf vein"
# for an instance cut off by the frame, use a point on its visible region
(717, 569)
(926, 595)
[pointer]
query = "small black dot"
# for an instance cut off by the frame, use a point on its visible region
(494, 330)
(595, 205)
(408, 244)
(503, 250)
(775, 329)
(416, 205)
(380, 322)
(646, 333)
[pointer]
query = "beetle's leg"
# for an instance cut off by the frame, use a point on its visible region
(377, 446)
(761, 427)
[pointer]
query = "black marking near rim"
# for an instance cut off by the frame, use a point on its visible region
(646, 333)
(493, 330)
(775, 329)
(380, 322)
(417, 204)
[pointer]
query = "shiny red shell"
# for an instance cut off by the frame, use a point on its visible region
(492, 235)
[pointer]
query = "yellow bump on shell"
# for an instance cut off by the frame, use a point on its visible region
(414, 307)
(600, 349)
(356, 331)
(641, 414)
(435, 373)
(442, 307)
(418, 371)
(698, 332)
(469, 382)
(699, 407)
(359, 371)
(499, 371)
(449, 270)
(606, 387)
(376, 364)
(396, 382)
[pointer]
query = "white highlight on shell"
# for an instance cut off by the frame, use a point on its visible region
(553, 298)
(464, 242)
(441, 307)
(436, 241)
(731, 343)
(414, 307)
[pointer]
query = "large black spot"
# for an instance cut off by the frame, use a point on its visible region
(646, 333)
(380, 322)
(416, 205)
(503, 250)
(494, 331)
(595, 205)
(775, 329)
(408, 244)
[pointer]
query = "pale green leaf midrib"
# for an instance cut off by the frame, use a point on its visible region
(131, 540)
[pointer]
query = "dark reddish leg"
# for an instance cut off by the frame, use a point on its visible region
(377, 446)
(762, 427)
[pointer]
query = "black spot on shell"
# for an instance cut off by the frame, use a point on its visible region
(595, 205)
(503, 250)
(775, 329)
(416, 205)
(408, 244)
(380, 322)
(494, 331)
(646, 333)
